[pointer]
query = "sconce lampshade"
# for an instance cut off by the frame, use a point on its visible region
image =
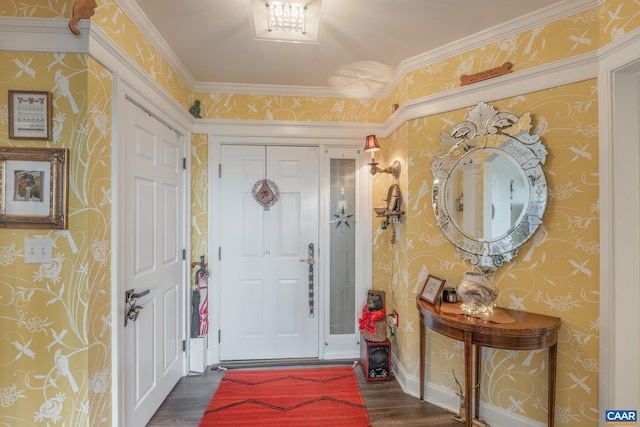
(371, 143)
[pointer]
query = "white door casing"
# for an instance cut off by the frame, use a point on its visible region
(346, 345)
(154, 195)
(264, 289)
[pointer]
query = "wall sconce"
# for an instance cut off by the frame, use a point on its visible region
(371, 145)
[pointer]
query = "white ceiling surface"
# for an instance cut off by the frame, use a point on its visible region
(360, 43)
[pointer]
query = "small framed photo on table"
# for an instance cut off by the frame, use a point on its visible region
(33, 187)
(432, 289)
(30, 115)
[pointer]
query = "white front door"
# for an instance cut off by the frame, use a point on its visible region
(268, 310)
(153, 245)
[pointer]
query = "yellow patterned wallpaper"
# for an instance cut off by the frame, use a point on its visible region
(63, 308)
(55, 325)
(199, 198)
(292, 108)
(578, 34)
(556, 272)
(110, 18)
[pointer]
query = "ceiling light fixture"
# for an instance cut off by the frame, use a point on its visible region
(371, 145)
(286, 16)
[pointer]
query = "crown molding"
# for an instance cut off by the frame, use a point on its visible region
(42, 35)
(508, 29)
(53, 35)
(46, 35)
(326, 133)
(140, 20)
(567, 71)
(549, 14)
(281, 90)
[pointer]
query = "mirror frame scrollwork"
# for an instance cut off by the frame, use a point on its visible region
(508, 134)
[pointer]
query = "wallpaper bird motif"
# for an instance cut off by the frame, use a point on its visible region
(556, 272)
(55, 324)
(55, 319)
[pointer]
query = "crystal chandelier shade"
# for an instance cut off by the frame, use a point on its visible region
(286, 16)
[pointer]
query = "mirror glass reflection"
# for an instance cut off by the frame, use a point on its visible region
(486, 194)
(489, 189)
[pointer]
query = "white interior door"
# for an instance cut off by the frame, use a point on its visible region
(267, 309)
(153, 244)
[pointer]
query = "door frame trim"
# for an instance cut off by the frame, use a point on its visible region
(363, 227)
(278, 134)
(619, 109)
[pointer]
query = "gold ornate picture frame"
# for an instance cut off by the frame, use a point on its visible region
(33, 187)
(30, 115)
(432, 289)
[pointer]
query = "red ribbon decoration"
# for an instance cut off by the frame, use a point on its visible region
(369, 319)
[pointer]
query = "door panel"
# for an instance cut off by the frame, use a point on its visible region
(262, 276)
(154, 228)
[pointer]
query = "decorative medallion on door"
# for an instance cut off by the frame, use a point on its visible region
(266, 193)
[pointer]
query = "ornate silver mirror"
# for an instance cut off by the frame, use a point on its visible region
(489, 189)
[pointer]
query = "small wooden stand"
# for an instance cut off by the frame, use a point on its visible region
(375, 359)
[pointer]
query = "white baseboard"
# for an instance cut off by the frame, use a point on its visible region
(447, 399)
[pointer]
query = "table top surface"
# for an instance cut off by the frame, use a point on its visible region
(524, 323)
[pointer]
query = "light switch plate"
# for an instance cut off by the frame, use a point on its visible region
(37, 251)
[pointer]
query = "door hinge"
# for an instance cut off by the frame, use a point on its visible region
(184, 345)
(184, 254)
(219, 335)
(184, 163)
(219, 170)
(219, 253)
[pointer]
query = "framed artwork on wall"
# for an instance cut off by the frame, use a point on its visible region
(33, 187)
(30, 115)
(432, 289)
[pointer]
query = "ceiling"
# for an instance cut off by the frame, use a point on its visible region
(360, 43)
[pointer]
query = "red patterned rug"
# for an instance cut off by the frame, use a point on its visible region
(289, 397)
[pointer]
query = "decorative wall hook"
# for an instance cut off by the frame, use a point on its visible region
(392, 212)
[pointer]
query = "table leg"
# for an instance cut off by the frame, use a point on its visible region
(423, 340)
(476, 384)
(553, 365)
(468, 377)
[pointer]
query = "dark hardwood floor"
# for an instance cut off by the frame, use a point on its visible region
(386, 403)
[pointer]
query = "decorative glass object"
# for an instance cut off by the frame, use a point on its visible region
(477, 293)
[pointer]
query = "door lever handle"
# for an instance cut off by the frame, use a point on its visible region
(130, 294)
(131, 299)
(310, 258)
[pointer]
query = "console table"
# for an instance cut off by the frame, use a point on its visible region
(528, 331)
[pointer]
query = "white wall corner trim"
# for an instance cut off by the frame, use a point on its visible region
(619, 156)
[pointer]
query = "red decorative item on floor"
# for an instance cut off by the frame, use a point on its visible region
(289, 397)
(369, 318)
(372, 322)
